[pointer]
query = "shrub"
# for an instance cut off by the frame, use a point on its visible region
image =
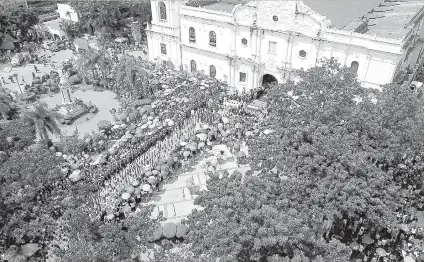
(169, 230)
(104, 125)
(182, 230)
(156, 234)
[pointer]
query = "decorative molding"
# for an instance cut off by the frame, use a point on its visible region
(206, 20)
(203, 51)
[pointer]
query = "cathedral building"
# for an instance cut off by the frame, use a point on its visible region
(249, 43)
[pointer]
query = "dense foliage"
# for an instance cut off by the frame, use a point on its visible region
(17, 22)
(334, 174)
(109, 17)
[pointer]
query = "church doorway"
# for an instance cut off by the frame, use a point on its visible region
(268, 80)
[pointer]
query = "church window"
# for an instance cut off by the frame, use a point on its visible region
(213, 71)
(242, 77)
(244, 41)
(192, 35)
(302, 53)
(213, 38)
(272, 47)
(162, 11)
(163, 49)
(192, 66)
(275, 18)
(355, 66)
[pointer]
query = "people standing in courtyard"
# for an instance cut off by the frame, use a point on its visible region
(33, 75)
(23, 80)
(4, 82)
(36, 69)
(11, 79)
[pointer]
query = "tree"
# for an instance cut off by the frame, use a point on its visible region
(111, 15)
(44, 120)
(330, 171)
(15, 135)
(25, 215)
(5, 105)
(17, 22)
(116, 241)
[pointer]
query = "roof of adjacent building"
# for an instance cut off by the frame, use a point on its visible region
(392, 19)
(342, 12)
(385, 18)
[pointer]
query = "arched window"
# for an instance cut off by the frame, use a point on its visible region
(212, 38)
(192, 66)
(213, 71)
(355, 66)
(192, 35)
(162, 11)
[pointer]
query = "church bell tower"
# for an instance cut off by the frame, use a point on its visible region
(164, 32)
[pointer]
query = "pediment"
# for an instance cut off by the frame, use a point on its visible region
(291, 16)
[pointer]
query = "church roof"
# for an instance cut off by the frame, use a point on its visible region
(216, 5)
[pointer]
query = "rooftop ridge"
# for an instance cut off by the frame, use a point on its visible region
(365, 36)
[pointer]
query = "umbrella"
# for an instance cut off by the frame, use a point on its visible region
(186, 153)
(29, 250)
(367, 240)
(202, 136)
(137, 191)
(120, 40)
(152, 180)
(193, 146)
(146, 187)
(404, 227)
(381, 252)
(135, 183)
(214, 162)
(129, 189)
(125, 196)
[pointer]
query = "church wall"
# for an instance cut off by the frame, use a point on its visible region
(224, 35)
(309, 47)
(203, 62)
(248, 84)
(245, 51)
(172, 49)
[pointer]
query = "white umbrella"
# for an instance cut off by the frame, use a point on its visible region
(120, 40)
(146, 188)
(125, 196)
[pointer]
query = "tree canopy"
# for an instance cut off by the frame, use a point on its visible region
(16, 22)
(111, 15)
(340, 163)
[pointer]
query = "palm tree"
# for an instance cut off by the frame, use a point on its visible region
(45, 120)
(5, 102)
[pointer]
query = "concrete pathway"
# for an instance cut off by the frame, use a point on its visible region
(175, 200)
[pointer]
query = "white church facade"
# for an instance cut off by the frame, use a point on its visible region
(252, 42)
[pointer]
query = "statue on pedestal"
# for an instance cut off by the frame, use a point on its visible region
(65, 88)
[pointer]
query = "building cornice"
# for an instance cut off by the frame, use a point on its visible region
(198, 50)
(209, 21)
(161, 34)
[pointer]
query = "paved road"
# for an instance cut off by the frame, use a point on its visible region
(175, 200)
